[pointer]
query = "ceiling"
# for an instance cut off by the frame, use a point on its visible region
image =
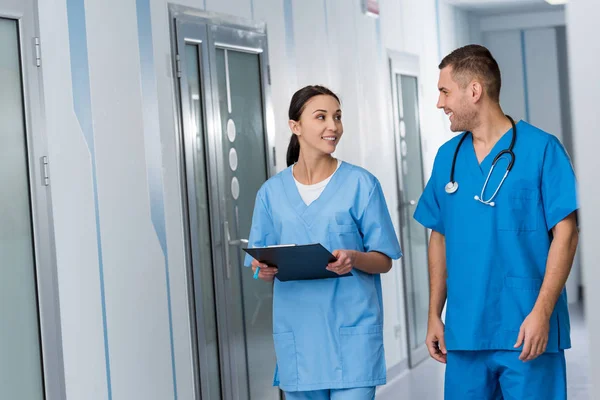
(496, 7)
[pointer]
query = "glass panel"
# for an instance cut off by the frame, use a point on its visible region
(203, 264)
(414, 235)
(20, 359)
(241, 107)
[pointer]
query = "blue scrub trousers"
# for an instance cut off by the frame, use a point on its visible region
(496, 375)
(366, 393)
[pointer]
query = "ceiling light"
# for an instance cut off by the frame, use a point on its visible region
(556, 2)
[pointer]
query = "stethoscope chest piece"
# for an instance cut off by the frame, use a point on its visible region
(451, 187)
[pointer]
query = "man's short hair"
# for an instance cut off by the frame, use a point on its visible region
(475, 61)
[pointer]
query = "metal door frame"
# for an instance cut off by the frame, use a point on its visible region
(210, 30)
(44, 250)
(406, 64)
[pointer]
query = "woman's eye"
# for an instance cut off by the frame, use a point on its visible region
(338, 117)
(320, 117)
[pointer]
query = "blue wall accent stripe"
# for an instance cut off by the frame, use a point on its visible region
(205, 4)
(525, 88)
(438, 27)
(152, 144)
(252, 9)
(82, 104)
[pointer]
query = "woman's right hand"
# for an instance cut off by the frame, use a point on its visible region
(266, 273)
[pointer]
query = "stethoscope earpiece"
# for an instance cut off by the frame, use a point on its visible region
(489, 203)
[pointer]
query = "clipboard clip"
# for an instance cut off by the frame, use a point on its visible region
(230, 242)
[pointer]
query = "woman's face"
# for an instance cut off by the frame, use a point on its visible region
(320, 127)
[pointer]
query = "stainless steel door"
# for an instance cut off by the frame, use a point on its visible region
(224, 103)
(202, 248)
(239, 60)
(411, 184)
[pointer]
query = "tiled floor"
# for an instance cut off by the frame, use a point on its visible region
(426, 382)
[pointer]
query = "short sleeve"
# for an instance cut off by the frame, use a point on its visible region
(262, 232)
(428, 212)
(559, 185)
(376, 226)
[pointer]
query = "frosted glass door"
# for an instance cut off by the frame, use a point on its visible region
(20, 358)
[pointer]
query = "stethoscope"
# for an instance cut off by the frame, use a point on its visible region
(452, 186)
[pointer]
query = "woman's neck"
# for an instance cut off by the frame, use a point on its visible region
(310, 170)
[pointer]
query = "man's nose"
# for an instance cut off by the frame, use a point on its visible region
(440, 103)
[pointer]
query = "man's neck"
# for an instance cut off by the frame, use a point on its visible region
(491, 127)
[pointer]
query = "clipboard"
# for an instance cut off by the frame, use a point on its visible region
(297, 262)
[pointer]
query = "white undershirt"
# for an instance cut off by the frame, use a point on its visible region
(310, 193)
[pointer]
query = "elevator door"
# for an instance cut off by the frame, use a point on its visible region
(227, 152)
(409, 155)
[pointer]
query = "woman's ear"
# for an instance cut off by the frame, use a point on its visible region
(294, 127)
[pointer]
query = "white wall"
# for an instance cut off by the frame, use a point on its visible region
(522, 20)
(120, 254)
(455, 27)
(530, 75)
(506, 47)
(543, 86)
(584, 57)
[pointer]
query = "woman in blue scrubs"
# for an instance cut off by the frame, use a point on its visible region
(501, 205)
(328, 333)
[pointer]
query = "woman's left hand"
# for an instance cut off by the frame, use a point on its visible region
(344, 263)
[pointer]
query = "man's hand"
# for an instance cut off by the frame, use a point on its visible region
(344, 263)
(534, 332)
(266, 273)
(436, 344)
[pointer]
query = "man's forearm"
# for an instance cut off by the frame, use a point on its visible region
(558, 266)
(437, 274)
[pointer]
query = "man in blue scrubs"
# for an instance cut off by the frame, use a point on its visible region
(501, 204)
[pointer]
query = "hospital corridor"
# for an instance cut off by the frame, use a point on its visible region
(361, 150)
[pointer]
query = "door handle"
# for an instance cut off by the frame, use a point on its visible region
(229, 242)
(238, 242)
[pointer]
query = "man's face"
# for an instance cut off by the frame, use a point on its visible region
(456, 102)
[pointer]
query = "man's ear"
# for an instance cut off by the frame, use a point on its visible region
(476, 90)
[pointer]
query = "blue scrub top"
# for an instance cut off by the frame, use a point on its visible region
(328, 333)
(496, 256)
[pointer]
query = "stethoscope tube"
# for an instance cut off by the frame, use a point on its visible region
(452, 186)
(462, 139)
